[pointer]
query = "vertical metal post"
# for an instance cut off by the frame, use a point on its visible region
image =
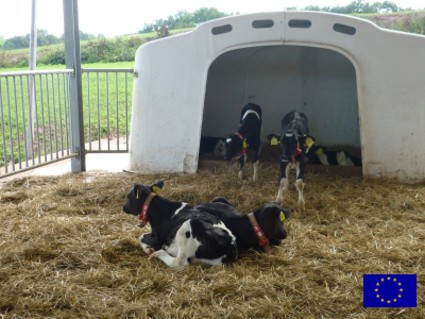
(73, 61)
(29, 139)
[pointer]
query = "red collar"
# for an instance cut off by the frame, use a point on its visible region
(262, 239)
(143, 216)
(244, 149)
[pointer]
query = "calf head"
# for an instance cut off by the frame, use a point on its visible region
(271, 217)
(293, 146)
(138, 196)
(234, 146)
(220, 148)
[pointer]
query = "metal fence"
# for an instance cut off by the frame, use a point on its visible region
(35, 115)
(107, 98)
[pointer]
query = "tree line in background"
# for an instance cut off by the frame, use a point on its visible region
(359, 6)
(184, 19)
(99, 49)
(43, 38)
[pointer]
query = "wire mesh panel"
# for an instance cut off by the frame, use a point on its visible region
(34, 119)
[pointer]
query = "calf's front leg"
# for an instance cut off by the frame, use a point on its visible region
(147, 242)
(242, 161)
(187, 246)
(299, 185)
(256, 164)
(283, 180)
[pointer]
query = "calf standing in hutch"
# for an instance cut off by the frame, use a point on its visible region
(246, 141)
(295, 143)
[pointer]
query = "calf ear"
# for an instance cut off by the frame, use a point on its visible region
(309, 141)
(157, 187)
(286, 212)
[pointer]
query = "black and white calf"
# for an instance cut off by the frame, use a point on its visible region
(324, 156)
(180, 234)
(212, 145)
(257, 230)
(246, 141)
(295, 143)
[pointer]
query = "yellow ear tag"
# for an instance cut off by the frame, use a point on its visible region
(319, 151)
(309, 142)
(274, 141)
(245, 145)
(282, 217)
(156, 190)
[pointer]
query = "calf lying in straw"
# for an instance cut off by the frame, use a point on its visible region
(257, 230)
(180, 234)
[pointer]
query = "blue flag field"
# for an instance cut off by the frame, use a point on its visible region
(389, 290)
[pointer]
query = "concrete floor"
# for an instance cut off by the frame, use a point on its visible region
(114, 162)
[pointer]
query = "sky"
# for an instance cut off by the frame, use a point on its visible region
(118, 17)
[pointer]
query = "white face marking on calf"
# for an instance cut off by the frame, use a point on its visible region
(323, 159)
(343, 159)
(220, 148)
(228, 140)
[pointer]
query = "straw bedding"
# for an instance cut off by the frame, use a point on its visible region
(68, 250)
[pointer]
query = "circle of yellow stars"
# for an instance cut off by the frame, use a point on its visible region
(388, 279)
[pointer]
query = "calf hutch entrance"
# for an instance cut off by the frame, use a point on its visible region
(360, 86)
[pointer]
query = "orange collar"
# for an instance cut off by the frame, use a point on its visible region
(262, 239)
(143, 216)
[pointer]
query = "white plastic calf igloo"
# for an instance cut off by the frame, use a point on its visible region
(359, 85)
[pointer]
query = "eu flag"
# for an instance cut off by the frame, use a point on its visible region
(389, 290)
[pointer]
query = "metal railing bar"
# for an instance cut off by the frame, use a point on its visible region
(126, 111)
(37, 134)
(9, 112)
(3, 130)
(49, 124)
(38, 72)
(55, 127)
(18, 135)
(98, 110)
(30, 121)
(107, 70)
(42, 117)
(24, 122)
(89, 111)
(117, 110)
(66, 106)
(40, 164)
(108, 131)
(58, 78)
